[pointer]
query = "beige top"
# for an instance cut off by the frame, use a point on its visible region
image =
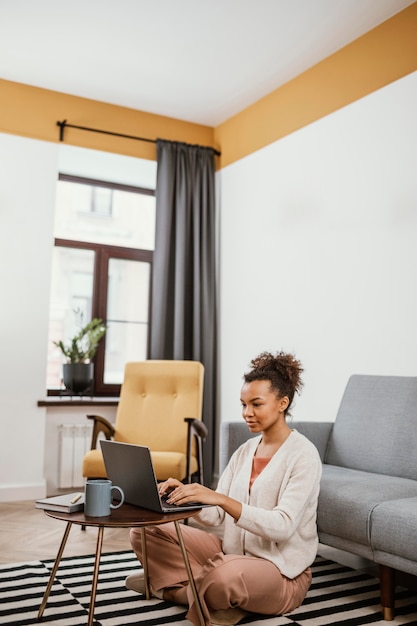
(278, 519)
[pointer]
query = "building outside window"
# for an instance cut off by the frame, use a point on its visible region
(102, 267)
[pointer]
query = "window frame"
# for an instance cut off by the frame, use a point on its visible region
(102, 255)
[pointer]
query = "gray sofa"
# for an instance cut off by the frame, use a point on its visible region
(368, 495)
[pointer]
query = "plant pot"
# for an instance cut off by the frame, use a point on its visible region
(78, 377)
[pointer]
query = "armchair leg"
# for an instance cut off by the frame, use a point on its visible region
(387, 586)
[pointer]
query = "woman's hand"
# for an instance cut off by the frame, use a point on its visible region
(194, 492)
(168, 485)
(178, 493)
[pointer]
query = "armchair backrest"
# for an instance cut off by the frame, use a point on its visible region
(155, 398)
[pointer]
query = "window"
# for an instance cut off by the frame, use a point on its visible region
(102, 267)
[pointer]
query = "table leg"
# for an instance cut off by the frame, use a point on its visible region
(190, 573)
(95, 576)
(54, 570)
(145, 562)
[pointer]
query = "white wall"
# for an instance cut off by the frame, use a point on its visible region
(319, 251)
(28, 175)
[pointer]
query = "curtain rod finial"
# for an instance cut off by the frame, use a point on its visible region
(61, 129)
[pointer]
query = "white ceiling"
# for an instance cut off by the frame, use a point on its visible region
(196, 60)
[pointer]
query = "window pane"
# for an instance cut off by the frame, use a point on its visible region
(72, 290)
(127, 316)
(124, 342)
(108, 216)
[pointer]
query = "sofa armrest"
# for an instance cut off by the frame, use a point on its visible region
(317, 432)
(232, 435)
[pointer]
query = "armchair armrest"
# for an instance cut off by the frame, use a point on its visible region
(196, 427)
(197, 431)
(101, 425)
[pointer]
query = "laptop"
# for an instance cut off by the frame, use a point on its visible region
(130, 467)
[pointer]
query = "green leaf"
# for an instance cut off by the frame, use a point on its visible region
(83, 346)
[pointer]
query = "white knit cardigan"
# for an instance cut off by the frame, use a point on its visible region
(278, 519)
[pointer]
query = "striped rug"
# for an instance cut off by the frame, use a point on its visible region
(338, 595)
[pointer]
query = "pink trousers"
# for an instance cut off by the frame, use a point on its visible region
(222, 580)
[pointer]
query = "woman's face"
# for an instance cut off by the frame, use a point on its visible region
(261, 407)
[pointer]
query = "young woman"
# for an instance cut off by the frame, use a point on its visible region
(266, 505)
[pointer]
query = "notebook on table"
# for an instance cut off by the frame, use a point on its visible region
(130, 467)
(65, 503)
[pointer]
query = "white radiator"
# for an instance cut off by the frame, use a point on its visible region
(74, 442)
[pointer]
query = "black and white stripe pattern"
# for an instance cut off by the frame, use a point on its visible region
(338, 596)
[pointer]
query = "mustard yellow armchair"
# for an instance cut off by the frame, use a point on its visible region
(160, 407)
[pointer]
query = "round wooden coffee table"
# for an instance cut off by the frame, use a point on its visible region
(127, 516)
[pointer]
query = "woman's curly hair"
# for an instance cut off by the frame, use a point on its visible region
(281, 369)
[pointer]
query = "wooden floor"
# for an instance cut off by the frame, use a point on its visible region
(27, 534)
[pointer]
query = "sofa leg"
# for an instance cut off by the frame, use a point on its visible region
(387, 586)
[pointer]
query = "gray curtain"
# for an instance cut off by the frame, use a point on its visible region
(184, 269)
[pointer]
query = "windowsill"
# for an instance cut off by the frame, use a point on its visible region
(78, 401)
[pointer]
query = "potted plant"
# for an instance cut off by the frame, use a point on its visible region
(78, 370)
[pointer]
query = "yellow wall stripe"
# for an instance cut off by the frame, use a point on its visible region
(376, 59)
(33, 112)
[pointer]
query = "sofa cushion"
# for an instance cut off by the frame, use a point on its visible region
(348, 497)
(376, 426)
(394, 528)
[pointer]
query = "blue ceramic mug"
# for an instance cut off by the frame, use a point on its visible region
(99, 495)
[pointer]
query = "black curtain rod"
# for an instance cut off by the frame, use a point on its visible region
(63, 125)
